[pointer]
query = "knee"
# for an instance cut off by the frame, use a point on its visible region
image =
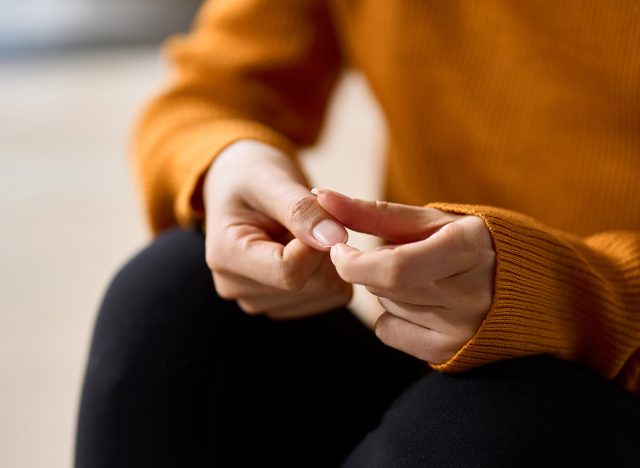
(526, 412)
(171, 270)
(154, 345)
(154, 311)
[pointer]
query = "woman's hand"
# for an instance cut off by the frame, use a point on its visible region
(267, 239)
(435, 279)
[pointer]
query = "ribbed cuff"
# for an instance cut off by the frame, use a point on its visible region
(528, 315)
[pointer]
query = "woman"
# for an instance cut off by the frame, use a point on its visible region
(520, 289)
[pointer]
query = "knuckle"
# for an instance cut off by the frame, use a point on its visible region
(216, 252)
(249, 308)
(227, 296)
(380, 293)
(394, 272)
(381, 205)
(379, 208)
(381, 327)
(454, 235)
(488, 260)
(224, 291)
(463, 234)
(212, 259)
(301, 208)
(290, 279)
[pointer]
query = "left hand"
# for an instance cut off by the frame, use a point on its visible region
(435, 279)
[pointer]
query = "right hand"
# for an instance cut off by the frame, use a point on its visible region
(267, 239)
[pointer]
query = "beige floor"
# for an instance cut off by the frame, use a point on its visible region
(70, 217)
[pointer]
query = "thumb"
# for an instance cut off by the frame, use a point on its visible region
(391, 221)
(298, 210)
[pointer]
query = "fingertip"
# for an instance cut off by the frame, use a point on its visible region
(339, 250)
(333, 253)
(320, 192)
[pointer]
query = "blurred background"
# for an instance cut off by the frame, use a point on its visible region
(73, 77)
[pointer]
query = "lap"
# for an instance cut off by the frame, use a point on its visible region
(176, 371)
(535, 411)
(178, 377)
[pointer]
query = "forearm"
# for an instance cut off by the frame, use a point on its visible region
(238, 75)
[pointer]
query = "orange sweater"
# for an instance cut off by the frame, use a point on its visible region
(526, 114)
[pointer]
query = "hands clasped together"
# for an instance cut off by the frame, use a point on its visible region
(277, 249)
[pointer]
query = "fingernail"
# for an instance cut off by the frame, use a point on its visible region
(328, 233)
(317, 191)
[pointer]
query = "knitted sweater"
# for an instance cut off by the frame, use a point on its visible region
(526, 114)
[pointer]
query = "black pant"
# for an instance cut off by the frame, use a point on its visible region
(178, 377)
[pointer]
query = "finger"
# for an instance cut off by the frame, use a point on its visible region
(247, 251)
(276, 299)
(393, 221)
(455, 248)
(231, 286)
(413, 339)
(426, 293)
(442, 292)
(434, 317)
(312, 307)
(401, 268)
(468, 290)
(261, 304)
(292, 205)
(373, 268)
(325, 278)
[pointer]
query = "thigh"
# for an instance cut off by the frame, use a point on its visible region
(179, 377)
(528, 412)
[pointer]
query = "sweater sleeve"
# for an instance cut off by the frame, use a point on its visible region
(250, 69)
(555, 293)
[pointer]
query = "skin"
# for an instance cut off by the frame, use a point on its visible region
(260, 244)
(434, 277)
